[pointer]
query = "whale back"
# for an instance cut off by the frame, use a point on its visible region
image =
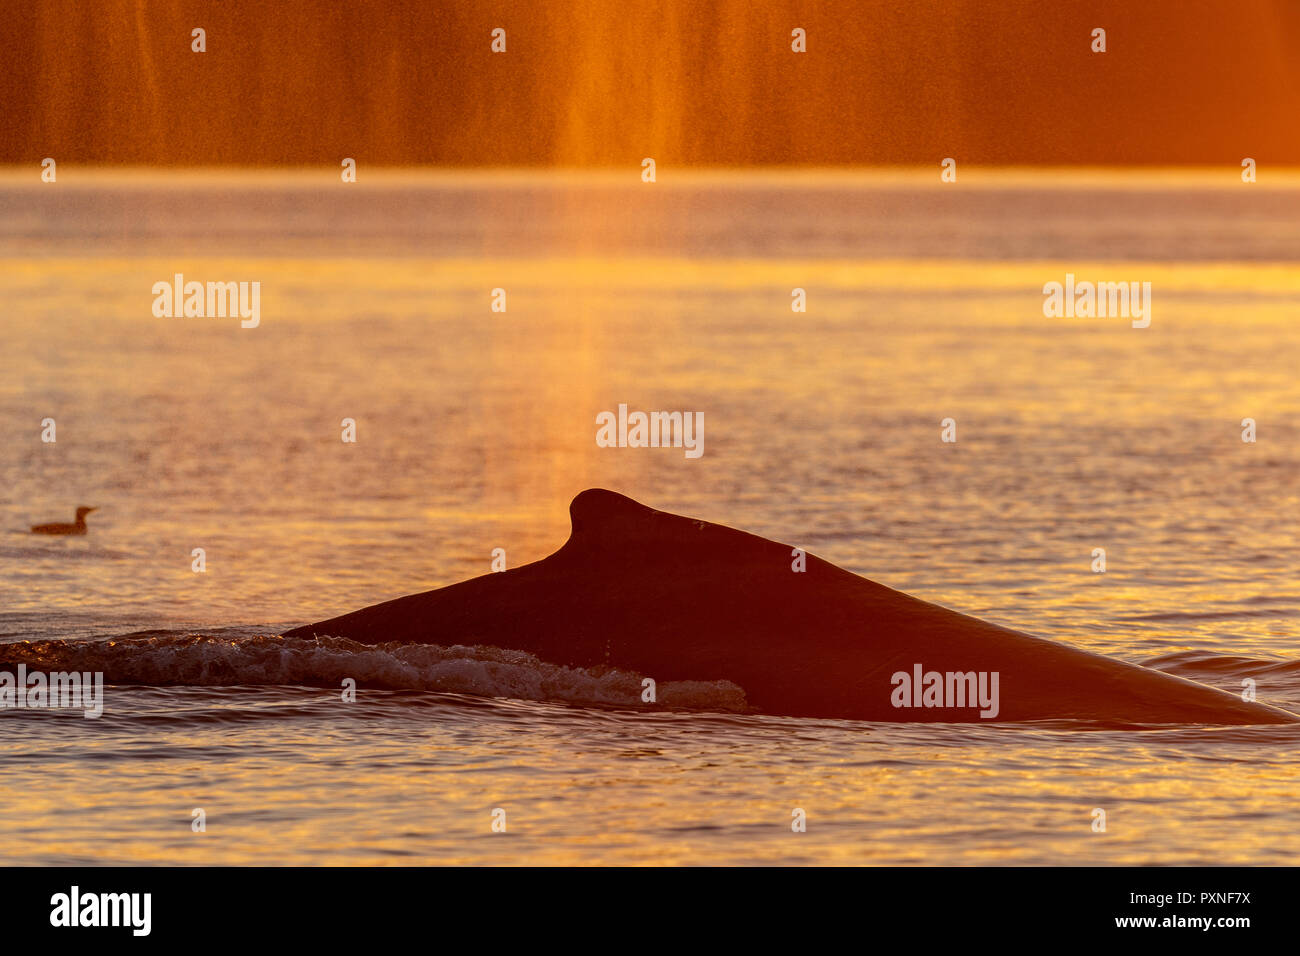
(677, 598)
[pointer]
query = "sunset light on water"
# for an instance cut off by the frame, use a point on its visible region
(874, 447)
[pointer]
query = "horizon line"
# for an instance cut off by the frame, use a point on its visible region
(1114, 176)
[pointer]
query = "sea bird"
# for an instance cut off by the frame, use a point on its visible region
(76, 527)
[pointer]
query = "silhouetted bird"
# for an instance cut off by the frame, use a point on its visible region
(77, 527)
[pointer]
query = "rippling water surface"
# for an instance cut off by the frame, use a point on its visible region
(476, 428)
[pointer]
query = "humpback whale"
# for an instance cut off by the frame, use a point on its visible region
(677, 598)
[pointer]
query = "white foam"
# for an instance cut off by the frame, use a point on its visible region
(202, 660)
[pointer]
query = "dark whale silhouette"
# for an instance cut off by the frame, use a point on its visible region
(676, 598)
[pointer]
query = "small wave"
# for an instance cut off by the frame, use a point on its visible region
(1204, 664)
(1285, 612)
(163, 660)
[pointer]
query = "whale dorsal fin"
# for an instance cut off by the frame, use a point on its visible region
(598, 511)
(604, 521)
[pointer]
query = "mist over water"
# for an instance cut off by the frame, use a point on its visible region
(475, 430)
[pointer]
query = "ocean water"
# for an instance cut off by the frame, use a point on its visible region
(476, 428)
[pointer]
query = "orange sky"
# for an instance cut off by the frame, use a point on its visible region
(607, 82)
